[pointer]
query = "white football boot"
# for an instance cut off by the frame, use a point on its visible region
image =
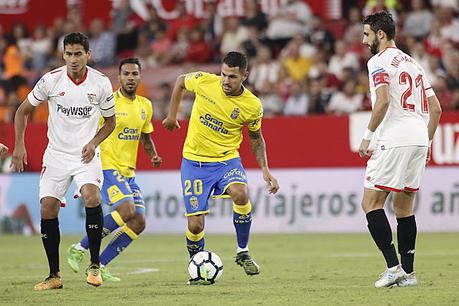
(390, 277)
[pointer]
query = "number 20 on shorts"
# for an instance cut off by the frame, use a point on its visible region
(197, 187)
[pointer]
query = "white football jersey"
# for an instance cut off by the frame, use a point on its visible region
(406, 119)
(74, 108)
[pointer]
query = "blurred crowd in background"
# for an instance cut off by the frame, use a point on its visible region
(300, 64)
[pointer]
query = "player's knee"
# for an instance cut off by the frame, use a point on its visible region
(49, 208)
(137, 224)
(126, 211)
(196, 227)
(241, 197)
(91, 200)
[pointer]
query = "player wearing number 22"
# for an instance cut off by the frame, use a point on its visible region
(404, 118)
(211, 165)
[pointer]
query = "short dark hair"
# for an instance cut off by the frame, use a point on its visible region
(77, 38)
(129, 60)
(236, 59)
(381, 21)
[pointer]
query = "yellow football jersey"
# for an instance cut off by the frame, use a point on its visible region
(133, 117)
(215, 128)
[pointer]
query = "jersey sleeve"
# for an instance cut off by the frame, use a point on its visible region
(427, 86)
(254, 122)
(107, 101)
(40, 92)
(147, 126)
(193, 79)
(378, 73)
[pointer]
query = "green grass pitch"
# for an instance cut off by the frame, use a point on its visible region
(296, 269)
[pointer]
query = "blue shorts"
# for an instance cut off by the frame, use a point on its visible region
(118, 189)
(200, 180)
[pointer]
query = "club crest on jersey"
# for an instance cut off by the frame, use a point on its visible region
(92, 98)
(143, 115)
(235, 113)
(194, 202)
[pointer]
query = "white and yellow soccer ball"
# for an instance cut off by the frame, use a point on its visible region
(205, 266)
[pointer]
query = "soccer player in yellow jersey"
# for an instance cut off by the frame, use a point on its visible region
(211, 165)
(119, 156)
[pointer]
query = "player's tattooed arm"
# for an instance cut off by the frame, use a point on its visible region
(258, 144)
(150, 148)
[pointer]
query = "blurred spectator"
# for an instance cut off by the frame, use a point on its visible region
(418, 21)
(347, 100)
(292, 18)
(198, 50)
(125, 24)
(102, 44)
(161, 47)
(320, 36)
(41, 47)
(180, 46)
(153, 24)
(213, 24)
(294, 65)
(20, 35)
(373, 6)
(183, 20)
(319, 97)
(298, 102)
(435, 40)
(341, 59)
(161, 102)
(12, 59)
(264, 72)
(233, 36)
(252, 44)
(144, 51)
(449, 25)
(254, 17)
(445, 96)
(272, 102)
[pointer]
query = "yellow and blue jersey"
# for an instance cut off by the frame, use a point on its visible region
(119, 150)
(215, 128)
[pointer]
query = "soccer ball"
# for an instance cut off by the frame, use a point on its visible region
(205, 266)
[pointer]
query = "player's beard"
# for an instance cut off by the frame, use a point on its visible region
(374, 47)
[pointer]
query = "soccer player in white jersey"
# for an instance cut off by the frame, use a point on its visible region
(404, 118)
(77, 96)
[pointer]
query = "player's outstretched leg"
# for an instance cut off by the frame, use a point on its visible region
(118, 244)
(242, 219)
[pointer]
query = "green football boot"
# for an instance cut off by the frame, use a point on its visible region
(74, 258)
(250, 266)
(106, 276)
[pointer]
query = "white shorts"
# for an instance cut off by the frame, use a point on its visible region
(396, 169)
(59, 170)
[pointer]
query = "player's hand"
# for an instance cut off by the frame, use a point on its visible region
(363, 149)
(171, 124)
(273, 185)
(88, 152)
(19, 158)
(3, 149)
(156, 161)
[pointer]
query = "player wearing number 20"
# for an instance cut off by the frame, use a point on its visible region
(404, 118)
